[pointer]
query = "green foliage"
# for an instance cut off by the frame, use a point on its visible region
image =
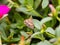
(44, 43)
(45, 3)
(37, 3)
(25, 14)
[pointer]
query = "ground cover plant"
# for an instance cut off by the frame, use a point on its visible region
(29, 22)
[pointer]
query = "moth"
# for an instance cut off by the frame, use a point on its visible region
(29, 23)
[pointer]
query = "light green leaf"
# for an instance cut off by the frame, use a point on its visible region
(37, 2)
(58, 8)
(36, 23)
(44, 20)
(27, 2)
(24, 34)
(30, 2)
(45, 3)
(50, 30)
(38, 35)
(21, 1)
(57, 31)
(44, 43)
(28, 12)
(24, 10)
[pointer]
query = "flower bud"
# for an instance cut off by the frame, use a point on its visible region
(29, 23)
(53, 10)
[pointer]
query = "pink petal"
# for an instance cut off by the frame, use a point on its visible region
(4, 9)
(1, 16)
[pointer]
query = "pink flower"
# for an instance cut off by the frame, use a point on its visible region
(4, 9)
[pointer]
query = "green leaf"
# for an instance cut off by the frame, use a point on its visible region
(58, 8)
(21, 1)
(38, 35)
(45, 3)
(55, 3)
(44, 20)
(18, 17)
(57, 31)
(36, 24)
(13, 25)
(4, 31)
(27, 2)
(44, 43)
(37, 2)
(28, 11)
(15, 39)
(50, 30)
(24, 34)
(19, 21)
(30, 2)
(24, 10)
(3, 34)
(20, 25)
(50, 35)
(53, 40)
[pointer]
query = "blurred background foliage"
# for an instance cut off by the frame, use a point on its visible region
(30, 22)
